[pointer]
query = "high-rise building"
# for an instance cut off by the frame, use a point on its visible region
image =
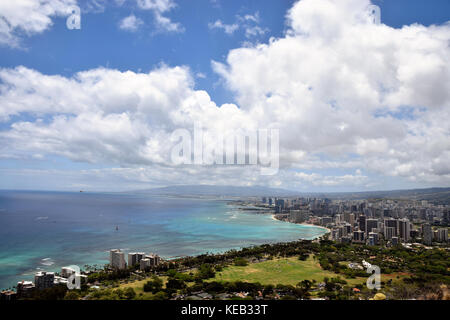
(348, 229)
(8, 295)
(391, 223)
(362, 222)
(326, 221)
(446, 217)
(404, 229)
(371, 224)
(394, 241)
(144, 264)
(134, 258)
(427, 234)
(373, 238)
(359, 236)
(117, 259)
(352, 219)
(25, 289)
(279, 204)
(44, 280)
(347, 216)
(389, 232)
(154, 259)
(442, 235)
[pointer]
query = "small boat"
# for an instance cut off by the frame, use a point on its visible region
(117, 228)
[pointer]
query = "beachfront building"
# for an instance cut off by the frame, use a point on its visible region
(8, 295)
(66, 272)
(117, 259)
(144, 264)
(25, 289)
(154, 259)
(134, 258)
(44, 280)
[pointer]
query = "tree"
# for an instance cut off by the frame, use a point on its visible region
(154, 285)
(206, 271)
(161, 295)
(305, 285)
(175, 284)
(71, 295)
(129, 293)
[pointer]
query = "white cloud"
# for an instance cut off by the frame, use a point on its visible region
(250, 17)
(102, 115)
(130, 23)
(165, 24)
(159, 7)
(27, 17)
(249, 23)
(96, 6)
(317, 86)
(331, 181)
(334, 85)
(255, 31)
(227, 28)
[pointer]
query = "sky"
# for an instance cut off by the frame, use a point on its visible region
(358, 105)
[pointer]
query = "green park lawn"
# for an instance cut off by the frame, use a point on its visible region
(138, 287)
(287, 271)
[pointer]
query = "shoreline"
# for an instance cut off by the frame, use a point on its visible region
(304, 224)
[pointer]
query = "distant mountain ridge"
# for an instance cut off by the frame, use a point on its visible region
(210, 190)
(439, 195)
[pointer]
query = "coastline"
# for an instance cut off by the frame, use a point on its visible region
(303, 224)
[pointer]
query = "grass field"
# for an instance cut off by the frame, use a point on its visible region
(280, 271)
(138, 287)
(287, 271)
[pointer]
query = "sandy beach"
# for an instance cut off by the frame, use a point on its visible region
(303, 224)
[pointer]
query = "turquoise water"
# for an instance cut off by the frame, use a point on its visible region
(45, 231)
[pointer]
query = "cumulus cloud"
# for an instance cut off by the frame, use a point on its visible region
(130, 23)
(27, 17)
(100, 115)
(336, 85)
(329, 79)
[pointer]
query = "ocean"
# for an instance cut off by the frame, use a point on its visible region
(49, 230)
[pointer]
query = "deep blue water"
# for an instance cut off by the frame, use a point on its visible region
(48, 230)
